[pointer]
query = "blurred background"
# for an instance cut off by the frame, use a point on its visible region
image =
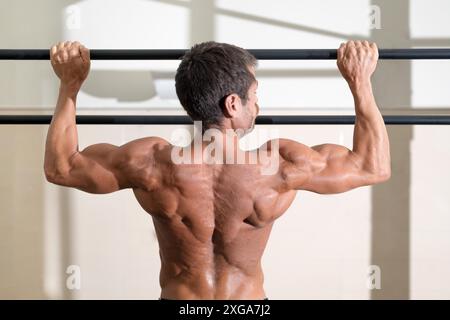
(391, 241)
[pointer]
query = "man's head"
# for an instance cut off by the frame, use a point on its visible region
(216, 84)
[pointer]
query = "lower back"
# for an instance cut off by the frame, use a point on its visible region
(229, 283)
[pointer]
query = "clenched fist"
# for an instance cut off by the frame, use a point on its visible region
(71, 63)
(357, 61)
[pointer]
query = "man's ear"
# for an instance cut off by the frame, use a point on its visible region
(231, 105)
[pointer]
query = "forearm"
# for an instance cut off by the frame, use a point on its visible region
(370, 138)
(62, 136)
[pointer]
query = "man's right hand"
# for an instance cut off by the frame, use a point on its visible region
(357, 61)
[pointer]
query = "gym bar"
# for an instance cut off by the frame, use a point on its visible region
(263, 54)
(263, 120)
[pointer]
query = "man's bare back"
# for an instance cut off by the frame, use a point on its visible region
(213, 219)
(213, 223)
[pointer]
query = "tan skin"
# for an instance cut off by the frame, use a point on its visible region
(213, 220)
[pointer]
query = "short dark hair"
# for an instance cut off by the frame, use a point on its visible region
(207, 74)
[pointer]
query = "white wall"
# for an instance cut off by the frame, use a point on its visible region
(323, 246)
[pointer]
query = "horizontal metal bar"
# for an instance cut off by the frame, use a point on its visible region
(263, 54)
(263, 120)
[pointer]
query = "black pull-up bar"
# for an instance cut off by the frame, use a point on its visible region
(263, 120)
(263, 54)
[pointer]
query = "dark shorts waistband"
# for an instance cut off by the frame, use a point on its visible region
(162, 299)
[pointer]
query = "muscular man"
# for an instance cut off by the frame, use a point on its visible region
(212, 218)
